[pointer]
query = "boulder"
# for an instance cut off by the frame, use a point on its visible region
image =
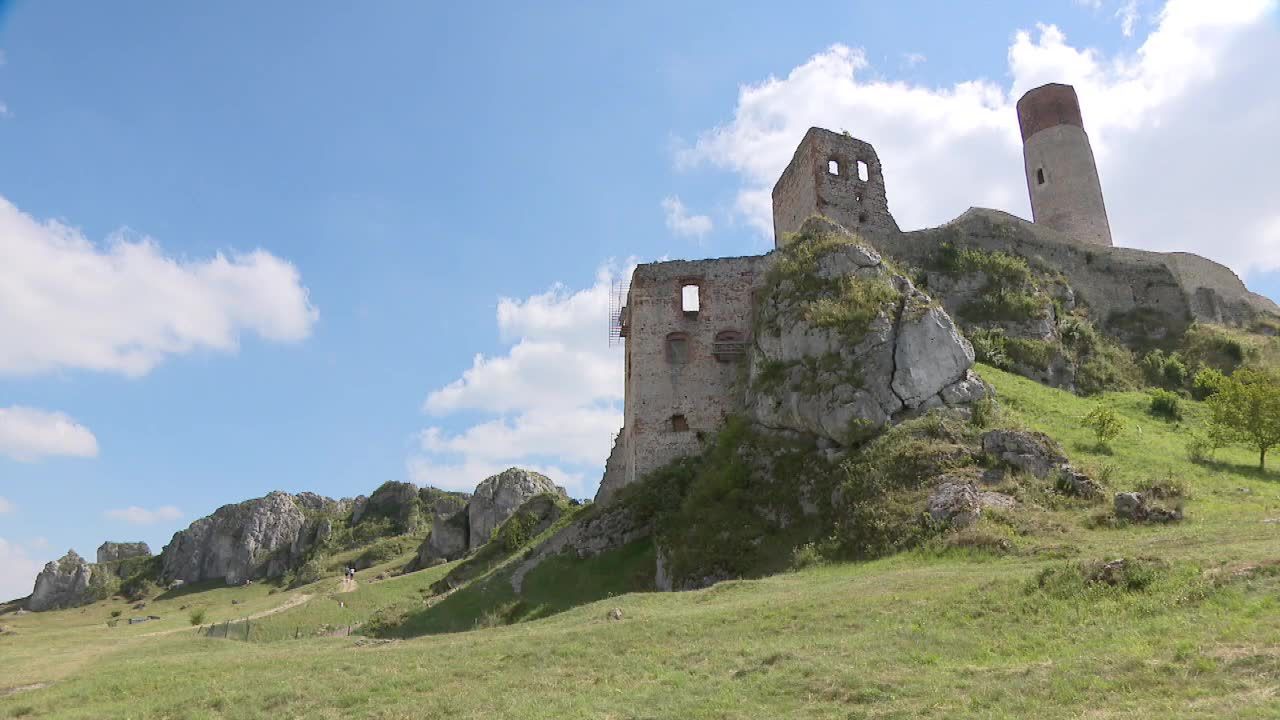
(498, 497)
(844, 346)
(1138, 508)
(253, 539)
(1032, 452)
(115, 551)
(1074, 482)
(62, 584)
(954, 504)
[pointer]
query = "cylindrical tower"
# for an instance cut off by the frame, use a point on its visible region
(1062, 177)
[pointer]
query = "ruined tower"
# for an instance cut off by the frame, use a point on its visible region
(1062, 177)
(836, 176)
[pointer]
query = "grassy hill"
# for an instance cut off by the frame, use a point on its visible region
(1015, 629)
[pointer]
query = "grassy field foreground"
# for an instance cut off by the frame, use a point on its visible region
(936, 633)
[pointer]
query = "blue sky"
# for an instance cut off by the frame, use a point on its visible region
(257, 246)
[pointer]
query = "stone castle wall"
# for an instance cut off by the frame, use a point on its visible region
(1112, 282)
(809, 187)
(683, 370)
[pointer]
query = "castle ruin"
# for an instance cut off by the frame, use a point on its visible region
(687, 323)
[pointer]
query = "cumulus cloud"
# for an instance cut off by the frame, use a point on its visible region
(18, 570)
(28, 434)
(135, 515)
(1184, 139)
(680, 222)
(1128, 15)
(123, 307)
(552, 402)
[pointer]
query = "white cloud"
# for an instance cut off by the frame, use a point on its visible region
(553, 400)
(18, 570)
(1183, 133)
(135, 515)
(1128, 15)
(124, 307)
(913, 59)
(28, 434)
(680, 222)
(6, 506)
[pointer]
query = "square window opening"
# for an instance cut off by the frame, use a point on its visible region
(690, 299)
(833, 167)
(863, 171)
(1039, 176)
(679, 423)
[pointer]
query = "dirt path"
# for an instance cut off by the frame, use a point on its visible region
(289, 604)
(348, 585)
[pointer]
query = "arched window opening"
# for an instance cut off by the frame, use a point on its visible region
(729, 346)
(677, 348)
(679, 423)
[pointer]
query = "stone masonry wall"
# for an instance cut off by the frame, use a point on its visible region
(808, 187)
(1110, 281)
(675, 404)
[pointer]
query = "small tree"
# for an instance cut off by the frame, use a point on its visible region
(1105, 424)
(1246, 409)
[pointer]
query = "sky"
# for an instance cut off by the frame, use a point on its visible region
(319, 246)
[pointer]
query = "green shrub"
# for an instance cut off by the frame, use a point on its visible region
(310, 571)
(197, 616)
(516, 532)
(990, 347)
(1078, 334)
(1199, 448)
(851, 309)
(1206, 383)
(1166, 404)
(1036, 354)
(984, 412)
(1164, 370)
(116, 613)
(806, 555)
(1105, 424)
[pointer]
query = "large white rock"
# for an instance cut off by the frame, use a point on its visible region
(497, 497)
(910, 359)
(62, 584)
(255, 538)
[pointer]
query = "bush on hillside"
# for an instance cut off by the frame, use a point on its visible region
(1166, 404)
(1163, 370)
(1206, 383)
(1105, 424)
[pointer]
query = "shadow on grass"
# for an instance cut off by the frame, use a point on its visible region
(559, 583)
(203, 586)
(1252, 472)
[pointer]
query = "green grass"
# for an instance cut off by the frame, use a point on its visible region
(939, 632)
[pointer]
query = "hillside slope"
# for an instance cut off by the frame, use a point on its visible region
(1188, 626)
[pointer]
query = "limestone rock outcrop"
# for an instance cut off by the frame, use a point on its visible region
(115, 551)
(63, 583)
(845, 346)
(397, 501)
(496, 498)
(1031, 452)
(264, 537)
(449, 532)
